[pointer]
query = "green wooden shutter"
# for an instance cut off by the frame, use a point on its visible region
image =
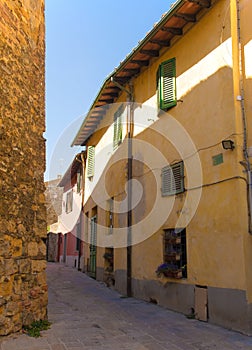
(90, 161)
(117, 137)
(173, 179)
(167, 84)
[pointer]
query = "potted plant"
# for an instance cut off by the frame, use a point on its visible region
(169, 270)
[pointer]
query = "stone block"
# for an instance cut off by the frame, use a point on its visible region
(5, 286)
(6, 325)
(13, 308)
(4, 248)
(17, 286)
(34, 293)
(2, 301)
(11, 267)
(38, 265)
(33, 249)
(24, 266)
(13, 245)
(41, 278)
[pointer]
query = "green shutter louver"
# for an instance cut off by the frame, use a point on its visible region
(117, 137)
(173, 179)
(167, 84)
(90, 161)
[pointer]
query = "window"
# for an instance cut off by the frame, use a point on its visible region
(173, 179)
(166, 84)
(90, 161)
(175, 250)
(117, 138)
(69, 202)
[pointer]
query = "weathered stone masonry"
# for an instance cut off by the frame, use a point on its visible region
(23, 289)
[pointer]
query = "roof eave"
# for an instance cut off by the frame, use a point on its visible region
(173, 10)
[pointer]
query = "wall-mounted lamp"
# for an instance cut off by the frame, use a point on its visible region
(228, 144)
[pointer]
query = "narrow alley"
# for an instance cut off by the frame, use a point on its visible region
(85, 314)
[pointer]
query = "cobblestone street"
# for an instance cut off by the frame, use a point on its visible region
(85, 314)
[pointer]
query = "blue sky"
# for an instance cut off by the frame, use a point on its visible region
(85, 41)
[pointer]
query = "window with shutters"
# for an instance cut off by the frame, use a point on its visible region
(166, 84)
(173, 179)
(117, 137)
(90, 161)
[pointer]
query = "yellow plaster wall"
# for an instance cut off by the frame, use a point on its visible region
(216, 236)
(215, 230)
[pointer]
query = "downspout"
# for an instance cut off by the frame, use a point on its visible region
(240, 98)
(130, 133)
(83, 167)
(130, 123)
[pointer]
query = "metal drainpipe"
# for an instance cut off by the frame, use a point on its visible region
(244, 121)
(83, 165)
(130, 133)
(130, 123)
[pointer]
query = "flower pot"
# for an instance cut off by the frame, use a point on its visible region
(173, 274)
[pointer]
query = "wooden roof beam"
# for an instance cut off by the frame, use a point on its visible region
(100, 104)
(131, 70)
(96, 113)
(160, 42)
(110, 94)
(173, 30)
(107, 100)
(93, 121)
(186, 17)
(90, 125)
(109, 87)
(94, 116)
(202, 3)
(100, 109)
(122, 80)
(141, 63)
(152, 53)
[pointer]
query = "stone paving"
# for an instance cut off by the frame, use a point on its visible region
(85, 314)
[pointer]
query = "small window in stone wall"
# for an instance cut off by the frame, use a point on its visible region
(69, 202)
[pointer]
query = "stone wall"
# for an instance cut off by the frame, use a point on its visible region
(52, 247)
(53, 198)
(23, 288)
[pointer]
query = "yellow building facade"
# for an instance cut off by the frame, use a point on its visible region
(167, 176)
